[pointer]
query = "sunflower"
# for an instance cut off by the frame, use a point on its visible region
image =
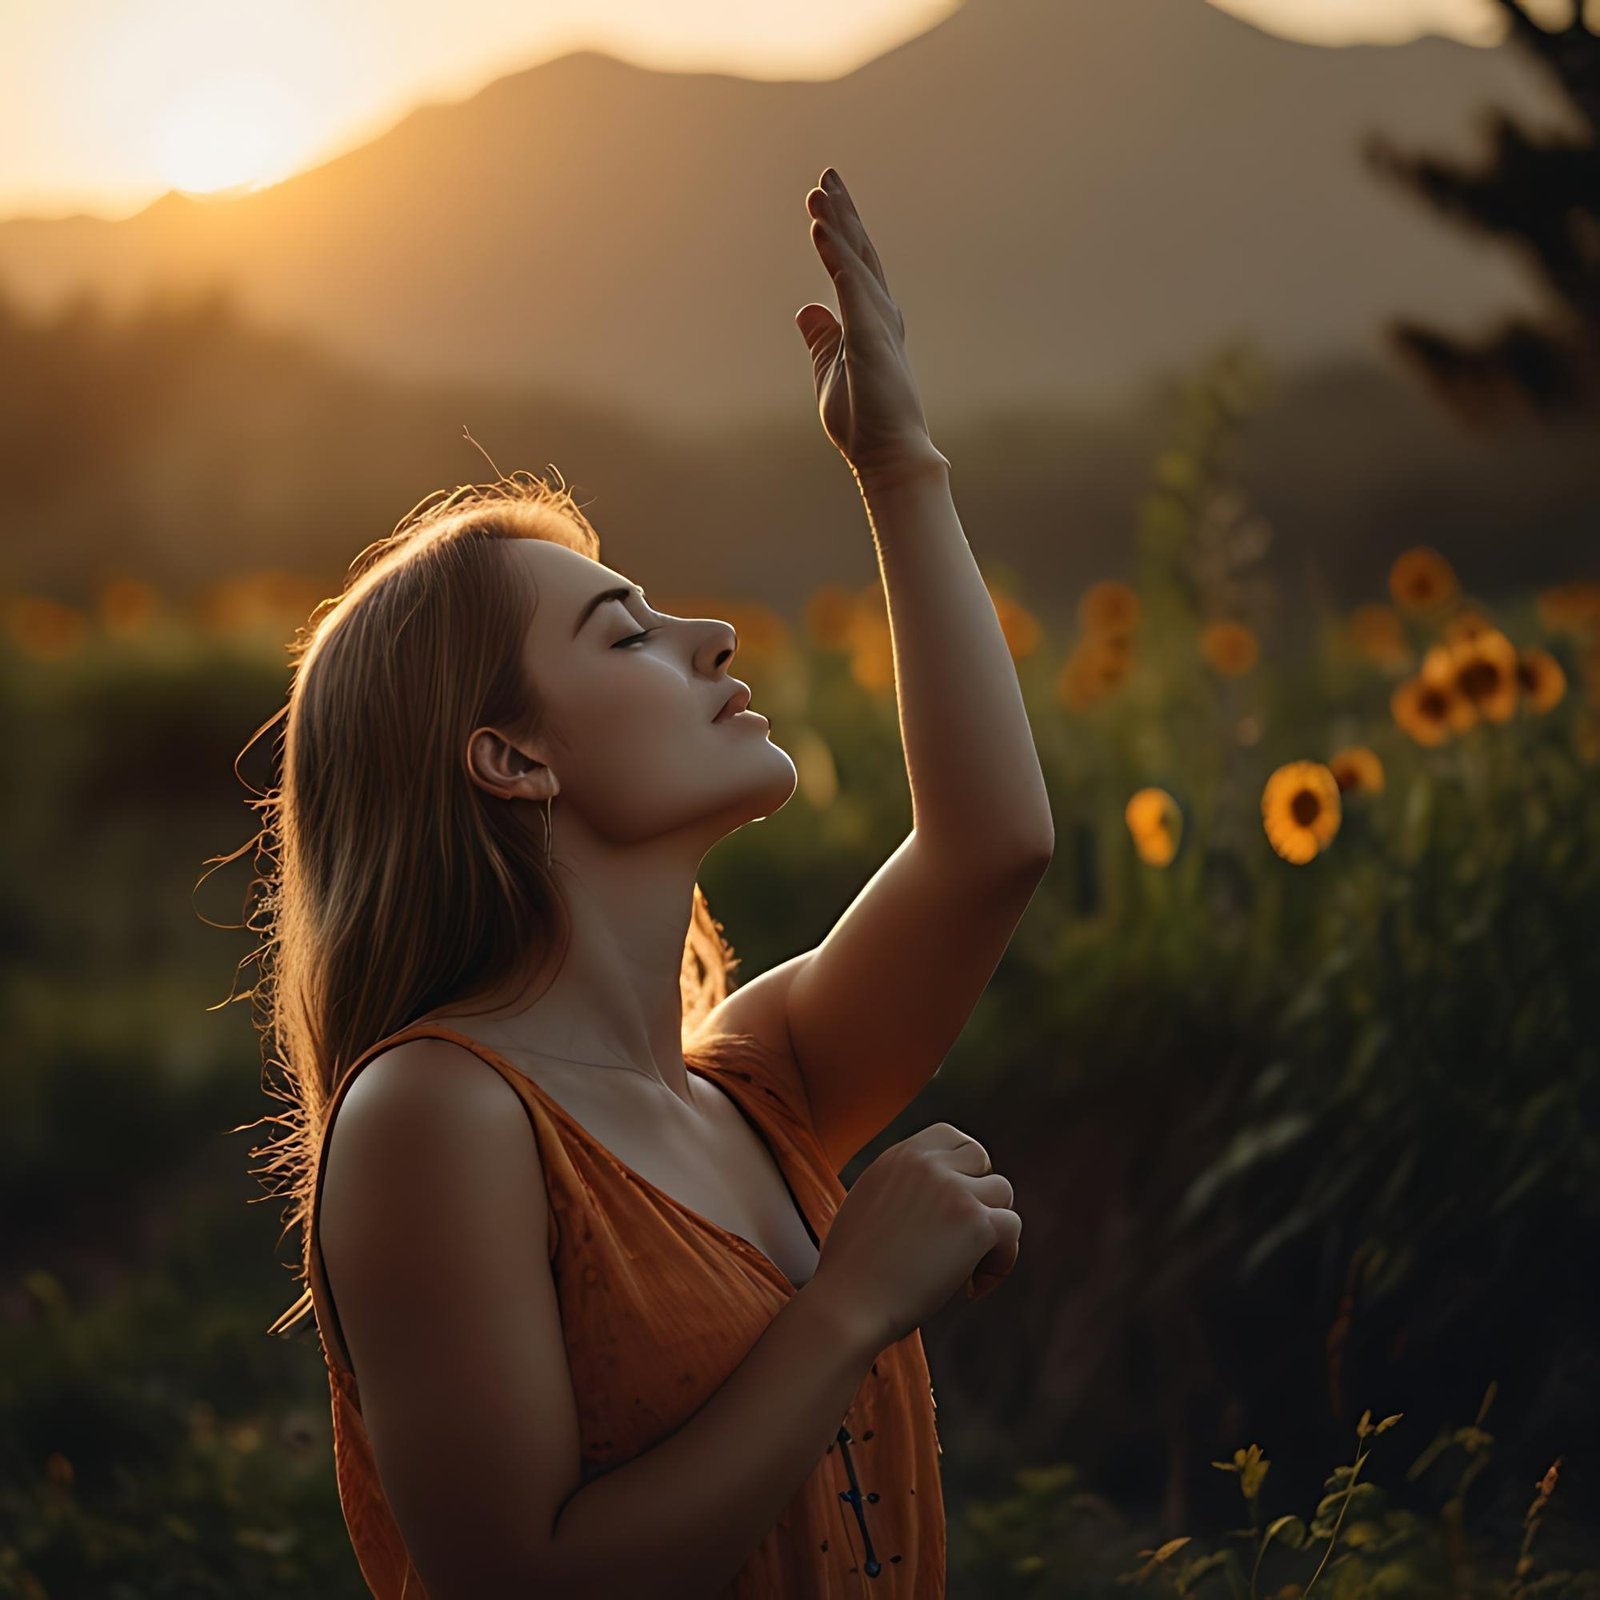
(1421, 580)
(1156, 825)
(1357, 769)
(126, 607)
(1109, 607)
(43, 628)
(1077, 685)
(763, 634)
(1482, 669)
(827, 614)
(1019, 625)
(1378, 633)
(1431, 709)
(1109, 659)
(1300, 809)
(1091, 672)
(1229, 648)
(1118, 642)
(1571, 607)
(870, 641)
(1540, 678)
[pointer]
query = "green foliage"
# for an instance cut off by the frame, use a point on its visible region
(1296, 1061)
(155, 1445)
(1353, 1545)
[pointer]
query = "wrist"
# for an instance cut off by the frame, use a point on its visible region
(842, 1319)
(912, 471)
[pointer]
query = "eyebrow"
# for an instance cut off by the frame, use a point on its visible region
(591, 606)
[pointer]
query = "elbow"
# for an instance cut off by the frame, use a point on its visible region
(1034, 857)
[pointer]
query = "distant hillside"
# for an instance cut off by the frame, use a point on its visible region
(185, 446)
(1069, 196)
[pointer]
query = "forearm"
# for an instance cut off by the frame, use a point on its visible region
(682, 1518)
(976, 784)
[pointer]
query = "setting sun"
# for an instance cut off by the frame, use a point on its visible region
(244, 130)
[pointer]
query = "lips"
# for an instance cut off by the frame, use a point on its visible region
(736, 702)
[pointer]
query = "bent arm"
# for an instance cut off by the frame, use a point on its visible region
(682, 1518)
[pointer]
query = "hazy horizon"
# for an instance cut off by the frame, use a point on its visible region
(119, 108)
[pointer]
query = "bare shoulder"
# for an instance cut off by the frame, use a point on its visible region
(428, 1140)
(420, 1075)
(759, 1008)
(433, 1231)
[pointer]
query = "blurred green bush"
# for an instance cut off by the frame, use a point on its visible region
(1293, 1063)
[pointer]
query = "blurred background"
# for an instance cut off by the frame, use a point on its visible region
(1264, 339)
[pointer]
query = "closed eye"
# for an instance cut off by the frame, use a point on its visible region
(635, 638)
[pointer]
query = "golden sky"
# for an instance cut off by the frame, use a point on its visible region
(109, 103)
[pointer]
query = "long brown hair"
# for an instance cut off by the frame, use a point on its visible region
(394, 884)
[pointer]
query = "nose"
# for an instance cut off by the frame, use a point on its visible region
(716, 644)
(724, 640)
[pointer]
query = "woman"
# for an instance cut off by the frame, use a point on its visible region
(501, 772)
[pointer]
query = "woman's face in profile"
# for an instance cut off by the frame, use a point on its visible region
(631, 695)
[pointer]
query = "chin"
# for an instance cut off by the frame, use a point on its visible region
(775, 792)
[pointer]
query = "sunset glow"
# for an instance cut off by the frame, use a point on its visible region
(244, 130)
(113, 104)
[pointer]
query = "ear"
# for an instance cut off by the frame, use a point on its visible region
(504, 769)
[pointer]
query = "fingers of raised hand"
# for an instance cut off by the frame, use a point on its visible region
(837, 202)
(847, 235)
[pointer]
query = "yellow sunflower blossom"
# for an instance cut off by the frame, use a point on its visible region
(1109, 658)
(1540, 678)
(1379, 634)
(869, 639)
(1300, 810)
(1019, 625)
(763, 633)
(1091, 672)
(270, 599)
(1421, 580)
(1357, 769)
(1229, 648)
(872, 664)
(45, 629)
(126, 607)
(1156, 825)
(1077, 687)
(1571, 607)
(1109, 607)
(828, 611)
(1117, 644)
(1482, 669)
(1430, 709)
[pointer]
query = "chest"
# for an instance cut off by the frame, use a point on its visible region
(709, 1160)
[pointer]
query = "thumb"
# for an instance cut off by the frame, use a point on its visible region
(819, 329)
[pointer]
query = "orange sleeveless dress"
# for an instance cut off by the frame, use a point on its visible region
(658, 1306)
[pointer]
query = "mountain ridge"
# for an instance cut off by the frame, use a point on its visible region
(1070, 199)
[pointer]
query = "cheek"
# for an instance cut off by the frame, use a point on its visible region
(633, 727)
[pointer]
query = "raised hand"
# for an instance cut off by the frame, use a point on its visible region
(866, 396)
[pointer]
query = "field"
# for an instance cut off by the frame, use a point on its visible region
(1294, 1064)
